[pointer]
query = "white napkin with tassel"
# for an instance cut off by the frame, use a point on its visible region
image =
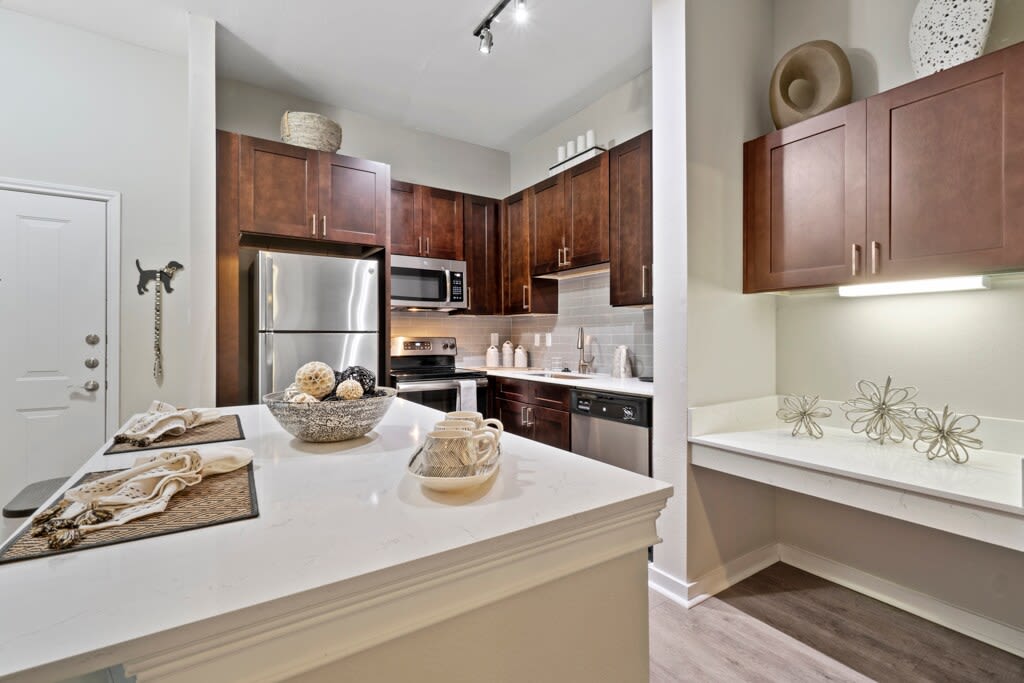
(144, 489)
(163, 419)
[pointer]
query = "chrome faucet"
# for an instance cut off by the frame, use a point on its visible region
(584, 366)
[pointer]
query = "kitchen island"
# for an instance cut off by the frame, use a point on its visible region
(353, 572)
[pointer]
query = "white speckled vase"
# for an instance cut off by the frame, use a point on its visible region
(944, 33)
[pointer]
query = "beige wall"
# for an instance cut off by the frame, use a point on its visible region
(415, 156)
(85, 110)
(619, 115)
(730, 343)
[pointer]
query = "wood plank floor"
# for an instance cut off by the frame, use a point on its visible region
(784, 624)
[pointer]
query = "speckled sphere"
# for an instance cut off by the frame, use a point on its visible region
(349, 390)
(303, 398)
(315, 379)
(291, 392)
(366, 379)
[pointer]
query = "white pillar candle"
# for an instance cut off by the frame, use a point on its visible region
(591, 139)
(581, 143)
(561, 152)
(570, 148)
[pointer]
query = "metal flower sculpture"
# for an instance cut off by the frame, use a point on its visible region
(948, 436)
(803, 410)
(881, 413)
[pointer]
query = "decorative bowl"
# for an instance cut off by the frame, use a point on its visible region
(327, 421)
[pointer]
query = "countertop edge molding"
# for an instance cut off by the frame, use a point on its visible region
(329, 627)
(982, 523)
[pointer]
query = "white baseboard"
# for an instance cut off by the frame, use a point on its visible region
(717, 580)
(981, 628)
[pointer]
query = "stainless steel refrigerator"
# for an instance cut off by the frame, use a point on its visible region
(314, 308)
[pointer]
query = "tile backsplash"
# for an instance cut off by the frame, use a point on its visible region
(582, 302)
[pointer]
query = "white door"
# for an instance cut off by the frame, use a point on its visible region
(52, 301)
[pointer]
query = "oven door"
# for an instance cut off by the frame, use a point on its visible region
(442, 394)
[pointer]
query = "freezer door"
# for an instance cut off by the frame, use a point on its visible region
(298, 292)
(281, 354)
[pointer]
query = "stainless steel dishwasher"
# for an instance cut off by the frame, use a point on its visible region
(613, 428)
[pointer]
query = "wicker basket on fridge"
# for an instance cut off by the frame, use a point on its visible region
(306, 129)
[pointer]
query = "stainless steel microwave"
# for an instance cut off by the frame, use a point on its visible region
(427, 283)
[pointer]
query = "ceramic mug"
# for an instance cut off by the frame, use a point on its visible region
(478, 421)
(451, 452)
(448, 424)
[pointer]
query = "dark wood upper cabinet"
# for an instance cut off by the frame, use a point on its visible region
(405, 221)
(946, 171)
(547, 225)
(925, 180)
(442, 223)
(482, 237)
(520, 292)
(569, 218)
(277, 189)
(630, 224)
(804, 203)
(586, 203)
(353, 199)
(289, 191)
(426, 221)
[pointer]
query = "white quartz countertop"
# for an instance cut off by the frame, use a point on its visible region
(335, 518)
(630, 385)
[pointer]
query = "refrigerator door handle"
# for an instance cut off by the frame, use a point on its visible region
(266, 361)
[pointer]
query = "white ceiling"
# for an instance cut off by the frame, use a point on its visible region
(413, 62)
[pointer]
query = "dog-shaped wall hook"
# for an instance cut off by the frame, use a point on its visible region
(165, 274)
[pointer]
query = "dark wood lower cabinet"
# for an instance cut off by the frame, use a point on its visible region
(541, 413)
(550, 427)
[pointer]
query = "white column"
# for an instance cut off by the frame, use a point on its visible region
(670, 275)
(202, 160)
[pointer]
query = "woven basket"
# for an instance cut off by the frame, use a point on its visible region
(314, 131)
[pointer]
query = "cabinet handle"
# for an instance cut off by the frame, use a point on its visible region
(643, 282)
(419, 246)
(565, 261)
(559, 258)
(529, 416)
(876, 254)
(314, 225)
(855, 258)
(526, 306)
(323, 222)
(428, 246)
(522, 415)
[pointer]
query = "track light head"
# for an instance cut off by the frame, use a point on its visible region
(486, 40)
(522, 14)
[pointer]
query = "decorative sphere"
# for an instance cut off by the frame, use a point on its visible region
(315, 379)
(349, 390)
(291, 392)
(303, 398)
(360, 374)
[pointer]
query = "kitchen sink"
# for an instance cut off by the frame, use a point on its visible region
(556, 375)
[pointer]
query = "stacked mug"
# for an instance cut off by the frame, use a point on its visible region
(462, 445)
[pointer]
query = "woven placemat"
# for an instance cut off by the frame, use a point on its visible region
(224, 428)
(222, 498)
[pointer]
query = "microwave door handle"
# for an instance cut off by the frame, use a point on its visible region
(447, 286)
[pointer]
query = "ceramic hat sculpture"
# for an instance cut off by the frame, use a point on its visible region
(821, 63)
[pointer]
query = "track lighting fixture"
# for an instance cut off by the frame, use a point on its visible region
(483, 29)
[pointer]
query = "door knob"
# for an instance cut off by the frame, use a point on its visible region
(92, 339)
(92, 385)
(92, 363)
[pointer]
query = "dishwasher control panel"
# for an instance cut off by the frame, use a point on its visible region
(634, 410)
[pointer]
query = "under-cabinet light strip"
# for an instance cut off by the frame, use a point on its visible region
(944, 284)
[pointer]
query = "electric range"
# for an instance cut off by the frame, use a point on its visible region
(423, 371)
